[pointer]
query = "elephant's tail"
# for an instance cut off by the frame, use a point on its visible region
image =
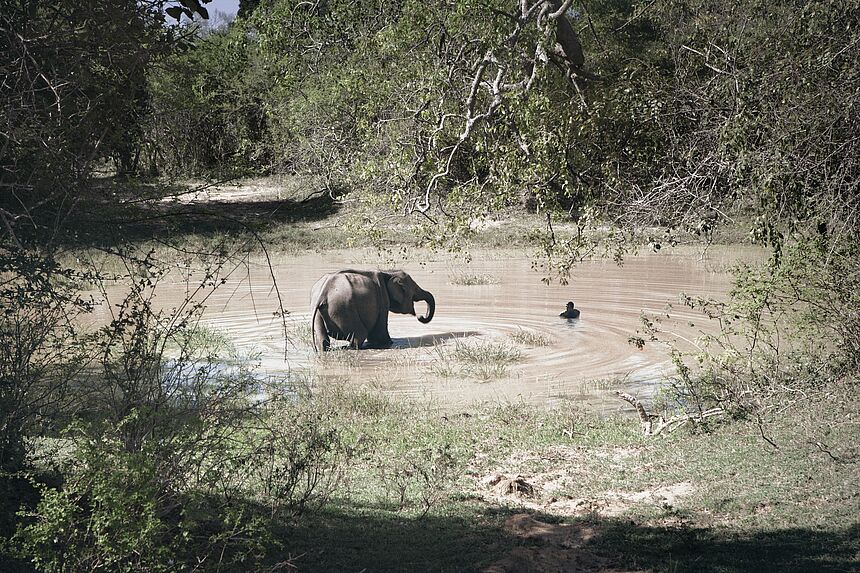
(317, 309)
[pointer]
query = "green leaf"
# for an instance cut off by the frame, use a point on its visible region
(195, 6)
(175, 12)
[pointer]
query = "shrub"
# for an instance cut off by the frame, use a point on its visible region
(111, 513)
(789, 331)
(173, 449)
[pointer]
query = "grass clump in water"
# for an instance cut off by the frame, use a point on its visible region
(530, 338)
(485, 360)
(300, 333)
(339, 357)
(472, 279)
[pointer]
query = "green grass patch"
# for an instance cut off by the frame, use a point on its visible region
(201, 336)
(400, 486)
(417, 484)
(480, 360)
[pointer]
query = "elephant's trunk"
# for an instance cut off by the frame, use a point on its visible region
(431, 304)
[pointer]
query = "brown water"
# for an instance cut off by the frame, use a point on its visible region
(580, 359)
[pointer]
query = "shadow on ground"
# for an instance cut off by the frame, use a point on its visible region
(497, 540)
(406, 342)
(501, 541)
(99, 219)
(430, 339)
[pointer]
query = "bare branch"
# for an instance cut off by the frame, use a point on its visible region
(648, 420)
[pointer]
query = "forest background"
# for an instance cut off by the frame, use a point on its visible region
(629, 123)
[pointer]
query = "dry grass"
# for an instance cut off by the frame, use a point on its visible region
(481, 360)
(531, 338)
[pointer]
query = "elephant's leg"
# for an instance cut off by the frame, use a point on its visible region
(321, 341)
(357, 337)
(378, 336)
(358, 329)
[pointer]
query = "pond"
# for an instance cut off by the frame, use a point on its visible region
(499, 340)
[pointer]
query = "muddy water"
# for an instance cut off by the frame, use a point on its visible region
(583, 359)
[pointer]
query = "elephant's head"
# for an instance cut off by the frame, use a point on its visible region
(403, 292)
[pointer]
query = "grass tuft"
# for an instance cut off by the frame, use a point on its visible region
(472, 279)
(300, 333)
(339, 357)
(484, 360)
(531, 338)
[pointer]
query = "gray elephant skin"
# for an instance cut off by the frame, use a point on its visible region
(353, 305)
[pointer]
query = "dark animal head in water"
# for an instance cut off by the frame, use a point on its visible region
(570, 312)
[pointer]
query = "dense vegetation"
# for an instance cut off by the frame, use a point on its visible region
(143, 444)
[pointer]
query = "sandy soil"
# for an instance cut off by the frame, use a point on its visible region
(565, 546)
(241, 190)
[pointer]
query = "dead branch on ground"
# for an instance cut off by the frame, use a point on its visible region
(655, 424)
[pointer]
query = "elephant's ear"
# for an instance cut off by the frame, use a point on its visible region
(396, 290)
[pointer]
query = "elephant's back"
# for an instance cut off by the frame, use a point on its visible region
(346, 282)
(339, 286)
(317, 290)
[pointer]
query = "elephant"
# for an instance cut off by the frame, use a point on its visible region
(353, 305)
